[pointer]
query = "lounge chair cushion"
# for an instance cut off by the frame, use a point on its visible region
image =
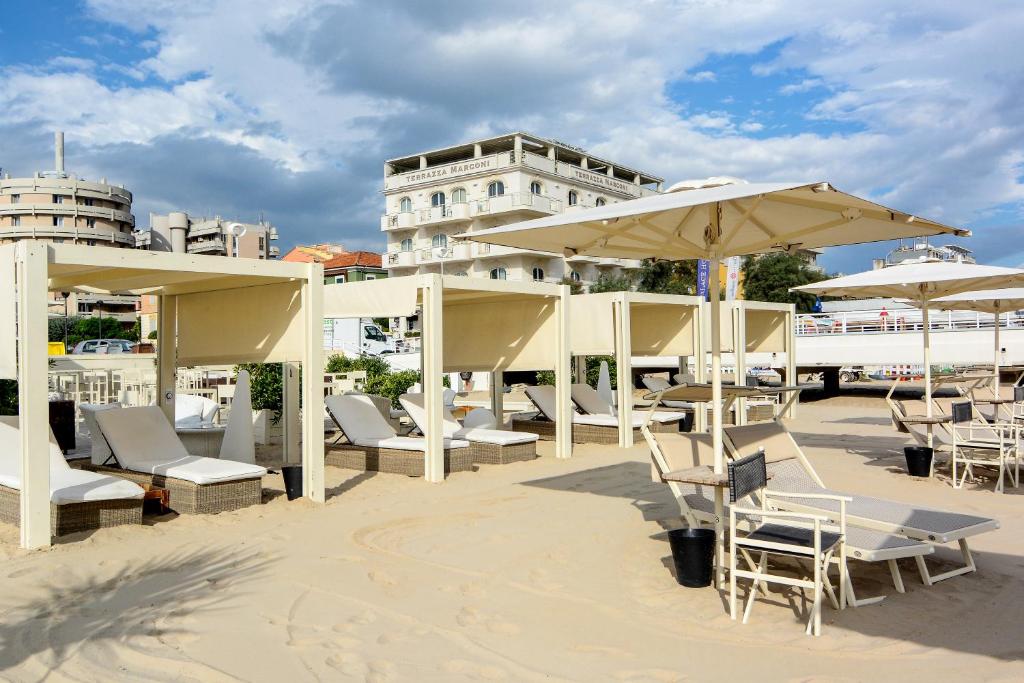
(358, 417)
(67, 485)
(587, 398)
(498, 437)
(194, 411)
(407, 443)
(777, 443)
(143, 441)
(414, 406)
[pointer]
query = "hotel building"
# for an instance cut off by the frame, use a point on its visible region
(433, 197)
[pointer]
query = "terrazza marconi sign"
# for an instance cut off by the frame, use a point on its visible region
(460, 168)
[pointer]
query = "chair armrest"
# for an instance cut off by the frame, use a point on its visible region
(778, 514)
(815, 496)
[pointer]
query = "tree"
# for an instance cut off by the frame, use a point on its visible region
(668, 277)
(612, 283)
(770, 276)
(266, 385)
(380, 378)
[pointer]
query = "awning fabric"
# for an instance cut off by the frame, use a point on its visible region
(500, 335)
(246, 325)
(662, 330)
(766, 331)
(388, 298)
(593, 325)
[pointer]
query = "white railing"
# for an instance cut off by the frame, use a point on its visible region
(899, 320)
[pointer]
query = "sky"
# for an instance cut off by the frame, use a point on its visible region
(288, 108)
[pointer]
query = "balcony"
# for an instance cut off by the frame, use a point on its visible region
(206, 246)
(398, 221)
(457, 252)
(400, 259)
(517, 201)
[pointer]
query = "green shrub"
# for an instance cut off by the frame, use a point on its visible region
(266, 385)
(152, 335)
(380, 378)
(8, 397)
(593, 371)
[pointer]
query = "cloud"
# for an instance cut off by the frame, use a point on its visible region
(301, 101)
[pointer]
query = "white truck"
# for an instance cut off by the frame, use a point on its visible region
(356, 337)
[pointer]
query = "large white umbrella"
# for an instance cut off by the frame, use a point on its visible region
(922, 283)
(995, 301)
(714, 221)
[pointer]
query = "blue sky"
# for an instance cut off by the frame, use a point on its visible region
(237, 107)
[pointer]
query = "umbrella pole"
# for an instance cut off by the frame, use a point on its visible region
(995, 358)
(927, 365)
(716, 414)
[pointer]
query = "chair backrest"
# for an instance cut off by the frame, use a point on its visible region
(10, 448)
(358, 417)
(415, 405)
(683, 378)
(962, 412)
(543, 396)
(448, 397)
(589, 401)
(747, 475)
(655, 383)
(140, 434)
(482, 418)
(1018, 394)
(100, 449)
(683, 450)
(239, 443)
(771, 437)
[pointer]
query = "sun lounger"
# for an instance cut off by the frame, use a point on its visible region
(374, 445)
(487, 446)
(656, 384)
(79, 500)
(792, 472)
(675, 452)
(601, 429)
(589, 402)
(147, 451)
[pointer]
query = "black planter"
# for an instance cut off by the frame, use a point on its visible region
(686, 424)
(919, 460)
(292, 481)
(693, 553)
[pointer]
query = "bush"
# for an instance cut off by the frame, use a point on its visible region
(593, 371)
(380, 378)
(266, 385)
(8, 397)
(152, 335)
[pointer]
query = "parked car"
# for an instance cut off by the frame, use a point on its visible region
(104, 346)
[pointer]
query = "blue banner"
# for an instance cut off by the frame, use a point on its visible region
(703, 277)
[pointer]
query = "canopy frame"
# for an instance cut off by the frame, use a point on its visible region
(39, 267)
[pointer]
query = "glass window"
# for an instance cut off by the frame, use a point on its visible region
(574, 276)
(405, 205)
(574, 198)
(88, 201)
(15, 198)
(15, 221)
(538, 274)
(339, 279)
(437, 199)
(600, 202)
(58, 199)
(459, 195)
(407, 244)
(496, 189)
(498, 274)
(439, 240)
(535, 188)
(370, 276)
(90, 223)
(58, 221)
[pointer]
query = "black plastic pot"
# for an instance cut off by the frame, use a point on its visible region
(686, 424)
(292, 481)
(919, 460)
(693, 553)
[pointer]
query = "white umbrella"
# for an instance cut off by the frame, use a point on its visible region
(604, 384)
(922, 283)
(715, 222)
(995, 301)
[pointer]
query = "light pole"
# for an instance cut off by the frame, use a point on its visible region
(99, 307)
(65, 295)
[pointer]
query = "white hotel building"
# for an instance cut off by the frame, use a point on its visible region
(431, 197)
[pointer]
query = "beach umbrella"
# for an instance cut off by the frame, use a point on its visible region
(995, 301)
(713, 220)
(604, 384)
(921, 283)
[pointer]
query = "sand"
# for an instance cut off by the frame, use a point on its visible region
(548, 570)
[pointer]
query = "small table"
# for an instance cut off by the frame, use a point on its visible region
(994, 401)
(161, 496)
(929, 420)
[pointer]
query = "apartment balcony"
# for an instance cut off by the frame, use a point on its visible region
(204, 229)
(627, 263)
(538, 204)
(457, 252)
(400, 259)
(215, 245)
(398, 221)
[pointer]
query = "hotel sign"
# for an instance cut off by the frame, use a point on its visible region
(459, 168)
(605, 181)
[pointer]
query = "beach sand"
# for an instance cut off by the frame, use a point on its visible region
(549, 570)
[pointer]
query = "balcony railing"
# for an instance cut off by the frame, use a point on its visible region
(900, 320)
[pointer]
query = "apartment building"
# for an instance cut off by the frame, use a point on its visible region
(433, 197)
(180, 232)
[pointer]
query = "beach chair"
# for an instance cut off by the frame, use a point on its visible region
(374, 445)
(918, 432)
(656, 384)
(147, 451)
(589, 402)
(793, 472)
(480, 417)
(796, 535)
(79, 500)
(600, 429)
(978, 443)
(487, 446)
(674, 452)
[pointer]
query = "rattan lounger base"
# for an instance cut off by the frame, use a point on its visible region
(72, 517)
(581, 433)
(394, 460)
(499, 454)
(189, 498)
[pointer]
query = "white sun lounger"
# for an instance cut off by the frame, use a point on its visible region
(487, 446)
(374, 445)
(79, 500)
(656, 384)
(589, 402)
(674, 452)
(792, 472)
(148, 451)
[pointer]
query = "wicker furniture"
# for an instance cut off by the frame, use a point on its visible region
(394, 460)
(72, 517)
(585, 433)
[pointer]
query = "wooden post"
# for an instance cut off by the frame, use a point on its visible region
(292, 427)
(167, 354)
(623, 369)
(498, 397)
(313, 385)
(563, 399)
(433, 340)
(33, 408)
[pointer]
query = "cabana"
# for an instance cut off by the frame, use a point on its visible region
(763, 328)
(627, 324)
(212, 310)
(472, 325)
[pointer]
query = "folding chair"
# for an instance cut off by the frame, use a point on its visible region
(983, 444)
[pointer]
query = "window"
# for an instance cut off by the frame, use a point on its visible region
(15, 221)
(499, 274)
(88, 201)
(339, 279)
(58, 199)
(437, 199)
(58, 221)
(90, 223)
(439, 240)
(407, 244)
(459, 195)
(574, 276)
(370, 276)
(405, 205)
(535, 187)
(538, 274)
(574, 198)
(496, 189)
(90, 243)
(600, 201)
(15, 198)
(58, 240)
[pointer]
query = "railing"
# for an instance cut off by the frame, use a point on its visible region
(900, 320)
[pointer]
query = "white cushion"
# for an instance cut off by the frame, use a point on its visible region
(500, 437)
(191, 410)
(596, 420)
(358, 417)
(416, 408)
(144, 441)
(100, 451)
(408, 443)
(587, 398)
(413, 404)
(67, 485)
(543, 396)
(480, 417)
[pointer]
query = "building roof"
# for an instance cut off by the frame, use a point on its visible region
(354, 258)
(318, 253)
